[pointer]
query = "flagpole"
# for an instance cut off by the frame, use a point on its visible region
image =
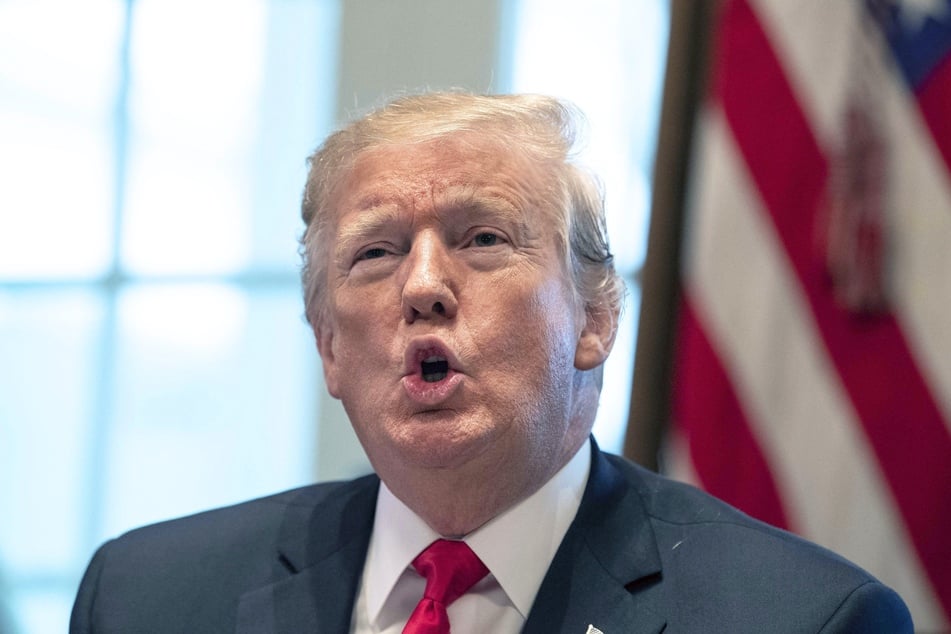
(690, 29)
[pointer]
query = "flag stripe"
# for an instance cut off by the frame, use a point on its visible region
(807, 65)
(760, 326)
(773, 135)
(934, 99)
(919, 233)
(918, 218)
(724, 453)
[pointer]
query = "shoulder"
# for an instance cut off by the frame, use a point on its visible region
(721, 566)
(245, 527)
(204, 563)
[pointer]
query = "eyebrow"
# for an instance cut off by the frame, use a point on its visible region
(375, 213)
(371, 219)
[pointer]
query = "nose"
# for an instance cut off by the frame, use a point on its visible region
(429, 290)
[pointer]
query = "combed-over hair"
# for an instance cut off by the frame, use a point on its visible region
(544, 129)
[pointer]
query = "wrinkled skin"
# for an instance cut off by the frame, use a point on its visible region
(444, 251)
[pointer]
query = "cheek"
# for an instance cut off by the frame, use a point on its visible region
(545, 333)
(361, 314)
(558, 309)
(351, 350)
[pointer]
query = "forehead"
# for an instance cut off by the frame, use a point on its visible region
(441, 172)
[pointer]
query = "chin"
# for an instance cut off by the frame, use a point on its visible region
(438, 441)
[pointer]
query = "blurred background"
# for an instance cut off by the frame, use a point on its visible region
(154, 360)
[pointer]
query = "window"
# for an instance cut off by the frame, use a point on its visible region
(148, 273)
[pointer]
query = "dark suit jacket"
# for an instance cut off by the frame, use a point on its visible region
(644, 554)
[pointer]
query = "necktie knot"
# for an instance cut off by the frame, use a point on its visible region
(450, 569)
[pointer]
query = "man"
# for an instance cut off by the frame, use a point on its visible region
(458, 280)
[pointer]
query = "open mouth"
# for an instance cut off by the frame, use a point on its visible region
(431, 372)
(434, 368)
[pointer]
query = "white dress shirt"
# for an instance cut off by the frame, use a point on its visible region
(517, 547)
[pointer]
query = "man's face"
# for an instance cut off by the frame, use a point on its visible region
(452, 329)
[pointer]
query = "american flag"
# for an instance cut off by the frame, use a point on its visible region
(812, 374)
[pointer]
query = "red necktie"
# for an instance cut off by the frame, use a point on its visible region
(450, 568)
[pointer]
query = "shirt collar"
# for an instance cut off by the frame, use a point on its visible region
(517, 546)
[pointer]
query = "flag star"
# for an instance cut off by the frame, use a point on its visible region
(914, 13)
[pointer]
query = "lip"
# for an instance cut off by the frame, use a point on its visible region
(423, 392)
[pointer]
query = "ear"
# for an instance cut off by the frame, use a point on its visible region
(325, 339)
(596, 338)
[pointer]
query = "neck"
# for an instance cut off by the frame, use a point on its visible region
(456, 502)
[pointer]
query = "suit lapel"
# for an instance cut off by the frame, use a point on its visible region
(320, 558)
(605, 566)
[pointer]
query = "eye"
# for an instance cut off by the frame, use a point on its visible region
(372, 254)
(485, 239)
